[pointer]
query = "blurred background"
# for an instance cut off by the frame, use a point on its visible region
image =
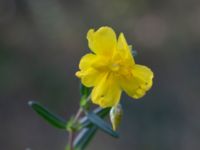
(42, 41)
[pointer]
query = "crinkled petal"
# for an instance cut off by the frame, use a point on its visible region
(124, 50)
(107, 93)
(138, 83)
(95, 61)
(90, 77)
(103, 41)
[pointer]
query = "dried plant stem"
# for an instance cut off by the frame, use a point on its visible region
(78, 114)
(70, 140)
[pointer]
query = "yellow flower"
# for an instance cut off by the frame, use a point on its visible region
(111, 69)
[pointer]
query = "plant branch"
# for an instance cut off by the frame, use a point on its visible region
(76, 118)
(71, 133)
(70, 140)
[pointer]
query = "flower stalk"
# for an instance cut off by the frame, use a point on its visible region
(73, 129)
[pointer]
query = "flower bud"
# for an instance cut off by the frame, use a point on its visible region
(116, 113)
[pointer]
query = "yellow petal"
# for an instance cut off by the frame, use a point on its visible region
(107, 92)
(124, 50)
(95, 61)
(138, 82)
(87, 60)
(103, 41)
(144, 74)
(90, 77)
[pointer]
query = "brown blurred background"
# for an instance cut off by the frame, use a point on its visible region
(42, 41)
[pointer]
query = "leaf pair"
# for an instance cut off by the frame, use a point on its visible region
(91, 122)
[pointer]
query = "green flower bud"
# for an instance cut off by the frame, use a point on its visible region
(116, 113)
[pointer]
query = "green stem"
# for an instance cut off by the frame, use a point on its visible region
(76, 118)
(71, 133)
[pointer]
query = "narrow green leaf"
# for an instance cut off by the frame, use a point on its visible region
(84, 137)
(101, 112)
(89, 130)
(101, 124)
(50, 117)
(85, 91)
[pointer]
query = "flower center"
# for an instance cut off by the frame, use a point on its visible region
(114, 67)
